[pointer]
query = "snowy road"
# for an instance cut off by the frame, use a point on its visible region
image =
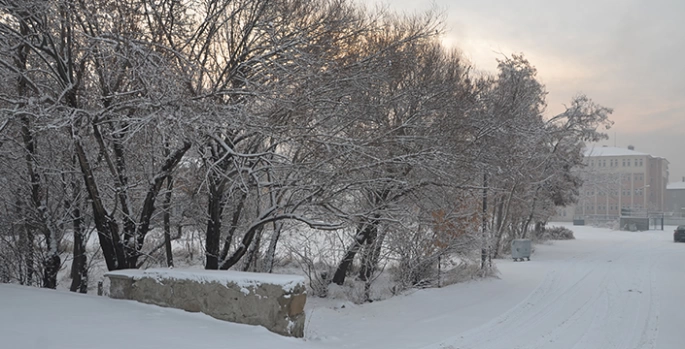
(608, 290)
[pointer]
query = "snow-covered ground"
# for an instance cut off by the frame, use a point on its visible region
(606, 289)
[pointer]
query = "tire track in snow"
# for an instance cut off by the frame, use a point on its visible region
(536, 311)
(650, 330)
(582, 304)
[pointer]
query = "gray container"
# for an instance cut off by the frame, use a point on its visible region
(520, 249)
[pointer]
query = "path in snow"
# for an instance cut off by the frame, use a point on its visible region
(606, 290)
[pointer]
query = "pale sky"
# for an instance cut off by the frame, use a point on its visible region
(628, 55)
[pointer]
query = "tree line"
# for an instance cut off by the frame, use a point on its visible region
(245, 119)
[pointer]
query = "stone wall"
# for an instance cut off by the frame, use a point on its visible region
(273, 301)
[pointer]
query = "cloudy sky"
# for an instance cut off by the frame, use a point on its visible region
(628, 55)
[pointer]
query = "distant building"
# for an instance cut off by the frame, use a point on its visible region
(675, 198)
(619, 180)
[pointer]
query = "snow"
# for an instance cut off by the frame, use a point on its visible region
(32, 318)
(676, 185)
(224, 277)
(606, 289)
(612, 151)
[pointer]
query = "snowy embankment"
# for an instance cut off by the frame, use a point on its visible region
(607, 289)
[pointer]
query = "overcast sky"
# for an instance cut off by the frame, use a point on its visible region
(628, 55)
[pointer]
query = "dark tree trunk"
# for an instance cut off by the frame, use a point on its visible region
(526, 224)
(264, 218)
(148, 209)
(498, 227)
(117, 256)
(213, 233)
(79, 266)
(27, 245)
(35, 200)
(370, 255)
(539, 229)
(242, 248)
(271, 252)
(51, 266)
(167, 222)
(253, 251)
(108, 230)
(23, 90)
(234, 226)
(363, 235)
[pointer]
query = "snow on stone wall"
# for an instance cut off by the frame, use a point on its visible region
(273, 301)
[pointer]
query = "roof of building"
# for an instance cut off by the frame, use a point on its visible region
(676, 185)
(611, 151)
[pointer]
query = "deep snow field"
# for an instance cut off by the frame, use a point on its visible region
(606, 289)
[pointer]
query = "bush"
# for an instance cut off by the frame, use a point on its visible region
(557, 233)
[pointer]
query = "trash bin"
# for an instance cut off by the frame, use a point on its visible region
(520, 249)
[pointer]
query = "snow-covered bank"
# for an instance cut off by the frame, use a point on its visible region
(32, 318)
(606, 289)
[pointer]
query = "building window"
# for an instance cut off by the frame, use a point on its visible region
(640, 162)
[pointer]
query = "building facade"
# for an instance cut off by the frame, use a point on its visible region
(619, 181)
(675, 198)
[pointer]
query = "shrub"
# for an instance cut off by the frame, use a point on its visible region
(557, 233)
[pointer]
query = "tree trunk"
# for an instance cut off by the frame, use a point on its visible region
(271, 251)
(27, 245)
(498, 227)
(253, 252)
(526, 224)
(215, 209)
(501, 224)
(79, 266)
(148, 209)
(234, 226)
(242, 247)
(108, 230)
(51, 266)
(167, 222)
(363, 235)
(371, 256)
